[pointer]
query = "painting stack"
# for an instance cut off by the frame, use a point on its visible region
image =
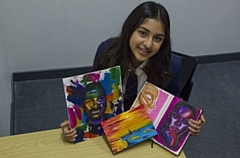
(95, 108)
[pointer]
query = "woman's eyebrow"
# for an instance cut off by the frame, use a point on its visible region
(149, 31)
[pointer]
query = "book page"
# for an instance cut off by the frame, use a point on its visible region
(169, 115)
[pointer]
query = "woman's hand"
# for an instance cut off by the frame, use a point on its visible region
(68, 134)
(195, 126)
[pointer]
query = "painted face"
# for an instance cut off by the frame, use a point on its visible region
(94, 103)
(179, 119)
(178, 124)
(148, 96)
(146, 40)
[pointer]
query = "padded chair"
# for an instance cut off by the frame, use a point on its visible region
(38, 100)
(38, 97)
(189, 65)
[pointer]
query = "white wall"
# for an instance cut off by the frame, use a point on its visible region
(47, 34)
(5, 95)
(203, 27)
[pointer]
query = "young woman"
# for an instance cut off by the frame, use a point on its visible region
(142, 48)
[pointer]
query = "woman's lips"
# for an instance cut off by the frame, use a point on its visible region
(143, 52)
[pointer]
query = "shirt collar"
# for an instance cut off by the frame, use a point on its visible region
(139, 69)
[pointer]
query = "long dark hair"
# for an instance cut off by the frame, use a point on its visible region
(119, 51)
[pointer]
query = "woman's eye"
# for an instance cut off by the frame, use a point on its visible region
(158, 39)
(142, 33)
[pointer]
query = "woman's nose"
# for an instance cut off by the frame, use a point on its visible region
(148, 43)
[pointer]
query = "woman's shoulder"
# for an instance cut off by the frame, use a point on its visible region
(104, 45)
(101, 48)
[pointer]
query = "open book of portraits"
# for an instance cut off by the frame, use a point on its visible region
(169, 115)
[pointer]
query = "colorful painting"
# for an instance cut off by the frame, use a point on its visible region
(169, 115)
(128, 129)
(92, 98)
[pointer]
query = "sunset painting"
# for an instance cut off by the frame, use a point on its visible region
(127, 129)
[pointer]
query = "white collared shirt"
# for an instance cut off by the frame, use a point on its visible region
(141, 76)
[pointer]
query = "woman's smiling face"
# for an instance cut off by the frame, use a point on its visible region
(146, 40)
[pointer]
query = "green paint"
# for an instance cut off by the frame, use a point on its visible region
(115, 75)
(84, 80)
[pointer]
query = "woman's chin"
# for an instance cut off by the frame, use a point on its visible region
(140, 59)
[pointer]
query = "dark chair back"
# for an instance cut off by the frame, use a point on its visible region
(189, 65)
(38, 97)
(38, 101)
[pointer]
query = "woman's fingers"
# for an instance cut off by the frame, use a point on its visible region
(68, 134)
(195, 126)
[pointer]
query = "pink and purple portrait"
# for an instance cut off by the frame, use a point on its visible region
(173, 128)
(169, 115)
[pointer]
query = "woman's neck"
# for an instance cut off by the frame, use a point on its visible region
(136, 63)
